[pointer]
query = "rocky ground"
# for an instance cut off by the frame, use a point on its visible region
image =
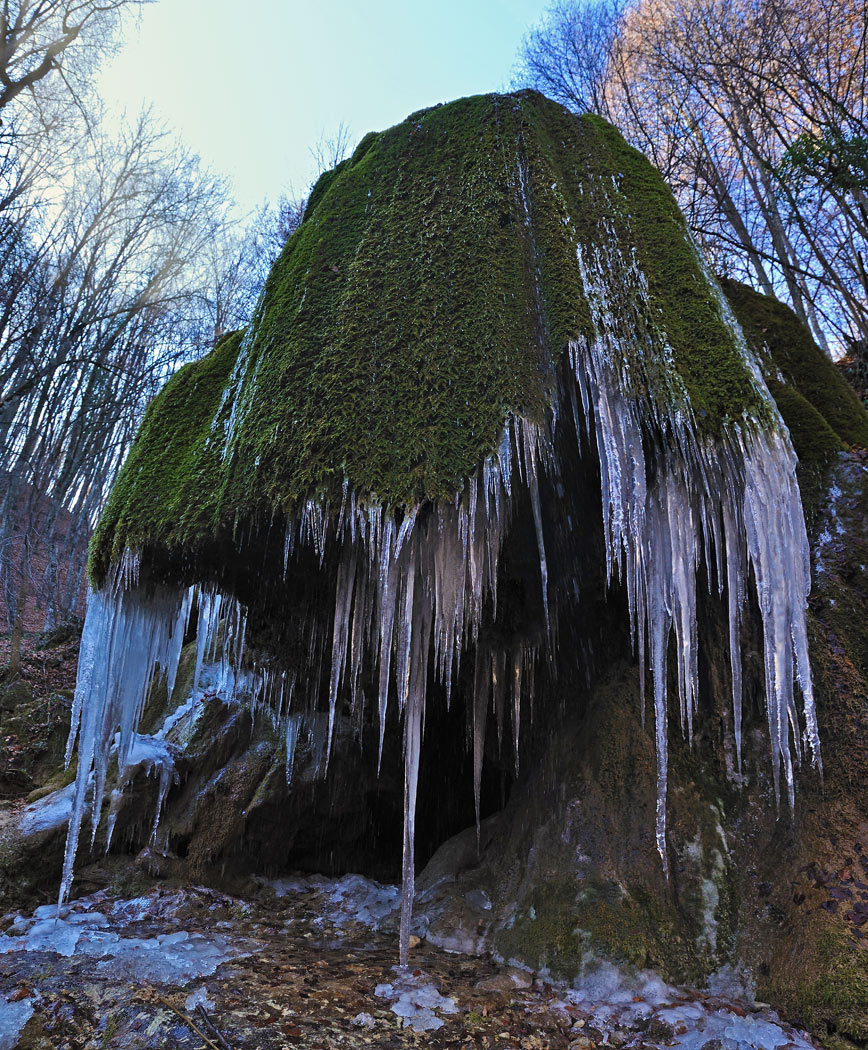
(187, 967)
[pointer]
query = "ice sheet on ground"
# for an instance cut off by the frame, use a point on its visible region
(199, 998)
(169, 958)
(13, 1017)
(414, 999)
(352, 898)
(617, 999)
(738, 1033)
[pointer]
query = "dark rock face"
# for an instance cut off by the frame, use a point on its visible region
(571, 872)
(806, 937)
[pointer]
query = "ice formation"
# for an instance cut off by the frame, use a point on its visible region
(615, 999)
(14, 1016)
(414, 589)
(164, 958)
(414, 998)
(352, 898)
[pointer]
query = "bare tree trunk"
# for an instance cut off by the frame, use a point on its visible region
(17, 638)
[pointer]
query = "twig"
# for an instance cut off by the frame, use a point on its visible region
(188, 1022)
(209, 1024)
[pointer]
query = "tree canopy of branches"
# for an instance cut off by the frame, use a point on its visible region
(755, 112)
(119, 261)
(35, 36)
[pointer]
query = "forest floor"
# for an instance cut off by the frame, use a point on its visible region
(187, 967)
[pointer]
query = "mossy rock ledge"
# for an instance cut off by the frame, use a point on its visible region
(427, 311)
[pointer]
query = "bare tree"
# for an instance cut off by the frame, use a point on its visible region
(120, 259)
(567, 56)
(103, 282)
(36, 35)
(330, 150)
(755, 113)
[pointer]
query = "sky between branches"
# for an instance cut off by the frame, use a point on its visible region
(251, 87)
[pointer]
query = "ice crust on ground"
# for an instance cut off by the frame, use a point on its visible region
(199, 998)
(414, 999)
(351, 898)
(612, 996)
(615, 999)
(167, 958)
(414, 589)
(13, 1017)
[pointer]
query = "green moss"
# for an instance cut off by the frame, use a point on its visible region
(831, 998)
(322, 184)
(787, 347)
(60, 778)
(363, 146)
(430, 292)
(159, 703)
(815, 442)
(565, 926)
(166, 488)
(545, 933)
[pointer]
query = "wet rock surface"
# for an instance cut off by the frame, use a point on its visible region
(192, 968)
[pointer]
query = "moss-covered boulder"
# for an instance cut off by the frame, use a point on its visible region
(492, 426)
(427, 296)
(805, 382)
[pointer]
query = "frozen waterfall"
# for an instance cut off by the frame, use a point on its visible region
(413, 590)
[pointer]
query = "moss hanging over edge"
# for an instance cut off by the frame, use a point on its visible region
(427, 295)
(785, 345)
(164, 491)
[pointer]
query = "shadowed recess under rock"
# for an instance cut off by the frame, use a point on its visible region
(490, 377)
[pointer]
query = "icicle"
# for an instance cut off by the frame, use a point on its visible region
(533, 488)
(746, 484)
(341, 633)
(414, 715)
(126, 635)
(293, 724)
(778, 549)
(498, 687)
(516, 702)
(388, 583)
(481, 684)
(736, 573)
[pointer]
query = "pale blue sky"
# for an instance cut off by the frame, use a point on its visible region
(251, 85)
